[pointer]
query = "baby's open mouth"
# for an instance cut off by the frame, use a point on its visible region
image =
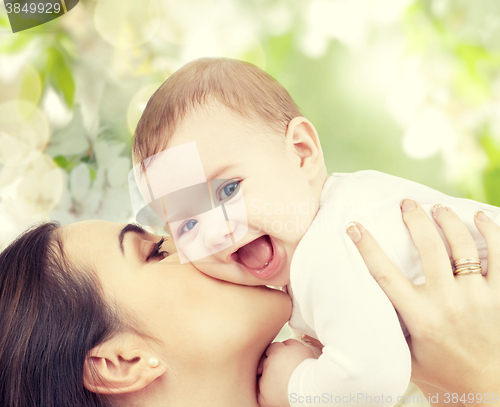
(257, 254)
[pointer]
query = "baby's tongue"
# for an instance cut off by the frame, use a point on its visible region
(257, 254)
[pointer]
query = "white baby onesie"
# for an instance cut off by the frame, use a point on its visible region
(365, 360)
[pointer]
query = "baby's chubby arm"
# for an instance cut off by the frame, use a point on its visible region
(280, 360)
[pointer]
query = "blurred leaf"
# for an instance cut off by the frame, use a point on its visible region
(4, 22)
(470, 81)
(491, 176)
(65, 164)
(425, 7)
(31, 88)
(93, 174)
(491, 181)
(255, 56)
(280, 46)
(61, 161)
(418, 27)
(15, 42)
(278, 50)
(492, 150)
(60, 74)
(471, 87)
(471, 54)
(67, 44)
(71, 164)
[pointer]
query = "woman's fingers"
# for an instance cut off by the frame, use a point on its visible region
(491, 232)
(458, 236)
(395, 285)
(426, 238)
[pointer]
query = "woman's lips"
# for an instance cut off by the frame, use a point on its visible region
(262, 257)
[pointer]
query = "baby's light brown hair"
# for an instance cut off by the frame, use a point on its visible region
(241, 86)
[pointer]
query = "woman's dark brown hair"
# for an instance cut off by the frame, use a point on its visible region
(51, 316)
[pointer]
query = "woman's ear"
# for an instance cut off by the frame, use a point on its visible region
(123, 364)
(303, 141)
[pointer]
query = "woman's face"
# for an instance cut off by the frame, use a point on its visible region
(198, 318)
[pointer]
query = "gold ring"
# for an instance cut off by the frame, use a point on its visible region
(468, 270)
(467, 260)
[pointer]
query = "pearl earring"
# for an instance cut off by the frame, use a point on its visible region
(153, 362)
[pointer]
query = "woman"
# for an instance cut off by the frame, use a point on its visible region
(94, 314)
(97, 314)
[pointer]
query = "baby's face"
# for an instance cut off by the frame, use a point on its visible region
(244, 162)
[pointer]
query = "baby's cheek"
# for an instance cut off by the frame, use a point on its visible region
(209, 266)
(192, 249)
(236, 212)
(185, 249)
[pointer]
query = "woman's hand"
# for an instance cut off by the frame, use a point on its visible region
(454, 321)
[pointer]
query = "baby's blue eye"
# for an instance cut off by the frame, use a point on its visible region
(229, 190)
(188, 226)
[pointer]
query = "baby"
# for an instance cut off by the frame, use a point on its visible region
(229, 164)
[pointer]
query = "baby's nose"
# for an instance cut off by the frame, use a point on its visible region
(216, 234)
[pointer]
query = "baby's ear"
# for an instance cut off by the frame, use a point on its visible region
(123, 364)
(303, 141)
